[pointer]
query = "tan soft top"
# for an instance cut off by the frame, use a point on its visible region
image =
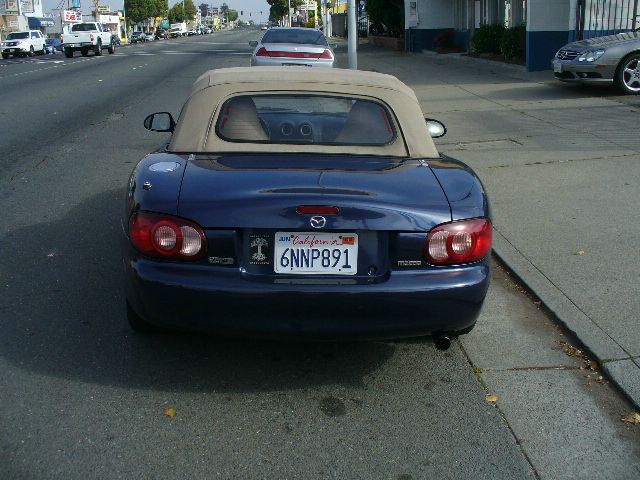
(195, 131)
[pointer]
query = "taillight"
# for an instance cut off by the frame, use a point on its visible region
(61, 38)
(92, 37)
(262, 52)
(317, 210)
(326, 55)
(167, 236)
(458, 242)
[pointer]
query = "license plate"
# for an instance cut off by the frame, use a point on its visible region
(316, 253)
(557, 67)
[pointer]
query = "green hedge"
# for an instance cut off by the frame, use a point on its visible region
(510, 42)
(487, 39)
(514, 42)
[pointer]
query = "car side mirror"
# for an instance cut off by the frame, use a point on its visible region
(160, 122)
(436, 128)
(253, 43)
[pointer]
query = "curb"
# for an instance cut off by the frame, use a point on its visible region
(464, 57)
(618, 365)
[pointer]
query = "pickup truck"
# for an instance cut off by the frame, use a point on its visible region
(88, 36)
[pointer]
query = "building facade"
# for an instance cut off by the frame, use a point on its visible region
(550, 24)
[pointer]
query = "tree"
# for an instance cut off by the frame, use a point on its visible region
(232, 15)
(159, 8)
(280, 8)
(390, 13)
(138, 10)
(178, 15)
(224, 9)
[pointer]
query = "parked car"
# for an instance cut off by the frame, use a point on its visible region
(88, 37)
(20, 44)
(307, 203)
(161, 34)
(292, 46)
(53, 45)
(610, 60)
(137, 37)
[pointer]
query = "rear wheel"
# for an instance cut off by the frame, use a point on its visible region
(31, 51)
(5, 55)
(44, 50)
(84, 52)
(112, 47)
(97, 51)
(627, 77)
(68, 53)
(137, 323)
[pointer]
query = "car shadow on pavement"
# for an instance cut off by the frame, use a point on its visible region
(63, 314)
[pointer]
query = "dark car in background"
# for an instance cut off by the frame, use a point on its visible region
(138, 37)
(53, 45)
(314, 197)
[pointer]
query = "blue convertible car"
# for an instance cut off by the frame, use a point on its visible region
(293, 203)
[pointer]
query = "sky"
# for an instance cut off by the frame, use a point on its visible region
(253, 6)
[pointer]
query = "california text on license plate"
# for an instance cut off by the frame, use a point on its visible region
(316, 253)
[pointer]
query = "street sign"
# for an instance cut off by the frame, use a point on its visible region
(103, 8)
(72, 16)
(11, 6)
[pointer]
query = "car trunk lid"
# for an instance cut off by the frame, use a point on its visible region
(257, 191)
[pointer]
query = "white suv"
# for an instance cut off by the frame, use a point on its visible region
(23, 43)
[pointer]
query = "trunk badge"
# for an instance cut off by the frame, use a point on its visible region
(318, 222)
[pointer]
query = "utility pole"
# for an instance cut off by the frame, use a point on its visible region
(353, 34)
(289, 13)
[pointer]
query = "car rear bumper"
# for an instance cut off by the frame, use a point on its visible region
(221, 299)
(293, 62)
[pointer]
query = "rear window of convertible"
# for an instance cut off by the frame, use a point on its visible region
(310, 119)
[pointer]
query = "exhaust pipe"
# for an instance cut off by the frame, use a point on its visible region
(442, 342)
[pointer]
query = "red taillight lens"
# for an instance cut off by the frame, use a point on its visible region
(317, 210)
(458, 242)
(326, 55)
(262, 52)
(92, 38)
(167, 236)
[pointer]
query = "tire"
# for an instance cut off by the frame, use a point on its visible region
(44, 50)
(84, 52)
(31, 51)
(137, 323)
(97, 51)
(5, 55)
(68, 53)
(627, 76)
(112, 48)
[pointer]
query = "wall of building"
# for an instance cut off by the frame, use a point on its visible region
(548, 29)
(424, 23)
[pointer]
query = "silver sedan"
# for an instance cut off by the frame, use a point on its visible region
(292, 46)
(610, 60)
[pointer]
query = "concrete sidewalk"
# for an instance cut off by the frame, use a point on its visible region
(562, 168)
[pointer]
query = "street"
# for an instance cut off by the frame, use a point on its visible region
(85, 397)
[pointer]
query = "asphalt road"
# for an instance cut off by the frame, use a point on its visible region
(83, 397)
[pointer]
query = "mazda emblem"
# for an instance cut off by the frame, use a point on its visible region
(318, 222)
